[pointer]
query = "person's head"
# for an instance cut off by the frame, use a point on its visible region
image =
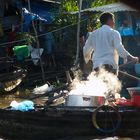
(107, 19)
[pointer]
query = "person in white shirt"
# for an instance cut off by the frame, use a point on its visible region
(104, 45)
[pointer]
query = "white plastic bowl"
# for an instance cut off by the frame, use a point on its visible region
(137, 68)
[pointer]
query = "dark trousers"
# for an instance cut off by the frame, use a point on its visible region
(108, 68)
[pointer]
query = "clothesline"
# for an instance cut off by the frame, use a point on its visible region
(12, 42)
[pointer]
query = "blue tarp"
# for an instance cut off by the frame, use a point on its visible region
(42, 11)
(38, 12)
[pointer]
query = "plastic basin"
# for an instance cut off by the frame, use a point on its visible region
(134, 90)
(135, 95)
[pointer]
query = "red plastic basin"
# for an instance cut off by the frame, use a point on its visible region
(135, 95)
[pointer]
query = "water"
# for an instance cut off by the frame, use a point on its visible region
(19, 95)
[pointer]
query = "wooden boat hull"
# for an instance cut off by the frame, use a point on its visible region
(10, 81)
(55, 123)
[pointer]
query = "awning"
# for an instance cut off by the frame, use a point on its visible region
(115, 7)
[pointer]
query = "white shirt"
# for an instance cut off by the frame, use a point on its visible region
(107, 46)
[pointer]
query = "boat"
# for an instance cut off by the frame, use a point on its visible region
(11, 75)
(62, 122)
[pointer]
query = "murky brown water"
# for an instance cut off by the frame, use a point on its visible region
(19, 95)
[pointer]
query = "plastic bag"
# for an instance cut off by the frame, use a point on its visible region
(22, 106)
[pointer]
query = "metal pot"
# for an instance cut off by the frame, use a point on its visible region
(83, 100)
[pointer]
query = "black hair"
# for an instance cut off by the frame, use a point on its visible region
(105, 17)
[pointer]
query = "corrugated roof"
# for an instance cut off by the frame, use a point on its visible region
(52, 1)
(115, 7)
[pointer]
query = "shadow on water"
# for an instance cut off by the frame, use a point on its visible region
(20, 94)
(17, 95)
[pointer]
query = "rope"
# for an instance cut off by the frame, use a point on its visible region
(126, 74)
(108, 108)
(122, 65)
(56, 30)
(129, 75)
(78, 33)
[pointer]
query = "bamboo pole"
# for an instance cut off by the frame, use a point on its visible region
(38, 45)
(122, 65)
(78, 33)
(50, 100)
(69, 79)
(129, 75)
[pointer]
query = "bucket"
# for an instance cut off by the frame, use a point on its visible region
(21, 52)
(84, 101)
(135, 95)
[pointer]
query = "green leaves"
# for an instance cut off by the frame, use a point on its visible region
(69, 6)
(65, 17)
(102, 2)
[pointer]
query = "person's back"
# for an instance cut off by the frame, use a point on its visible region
(107, 45)
(103, 38)
(104, 51)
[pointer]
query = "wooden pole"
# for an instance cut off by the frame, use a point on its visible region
(78, 33)
(69, 79)
(38, 45)
(129, 75)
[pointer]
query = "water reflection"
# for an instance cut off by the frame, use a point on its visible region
(19, 95)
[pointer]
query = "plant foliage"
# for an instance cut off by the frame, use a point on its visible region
(102, 2)
(26, 37)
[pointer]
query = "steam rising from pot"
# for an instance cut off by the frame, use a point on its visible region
(101, 84)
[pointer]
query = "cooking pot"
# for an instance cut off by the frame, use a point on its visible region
(84, 100)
